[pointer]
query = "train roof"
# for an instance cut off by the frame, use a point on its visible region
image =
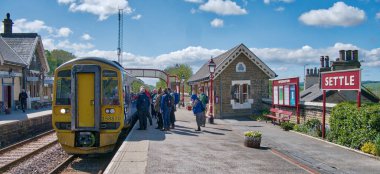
(99, 59)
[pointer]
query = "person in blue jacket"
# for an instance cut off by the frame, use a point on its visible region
(166, 107)
(142, 108)
(198, 110)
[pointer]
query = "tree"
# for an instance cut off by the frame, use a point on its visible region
(179, 70)
(56, 58)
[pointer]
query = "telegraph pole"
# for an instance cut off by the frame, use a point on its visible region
(120, 38)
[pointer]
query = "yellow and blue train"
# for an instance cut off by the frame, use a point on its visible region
(92, 103)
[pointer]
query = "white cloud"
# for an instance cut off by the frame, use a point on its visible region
(279, 9)
(285, 1)
(281, 68)
(48, 44)
(137, 17)
(378, 15)
(195, 1)
(75, 47)
(64, 32)
(24, 26)
(65, 1)
(86, 36)
(223, 7)
(101, 8)
(193, 11)
(217, 23)
(339, 14)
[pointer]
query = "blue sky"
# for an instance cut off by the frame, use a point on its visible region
(285, 34)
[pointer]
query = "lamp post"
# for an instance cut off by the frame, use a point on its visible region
(183, 90)
(211, 66)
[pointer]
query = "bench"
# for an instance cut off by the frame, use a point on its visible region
(279, 115)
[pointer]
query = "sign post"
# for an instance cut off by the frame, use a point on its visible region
(339, 80)
(286, 93)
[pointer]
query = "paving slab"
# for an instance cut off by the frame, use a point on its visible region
(19, 115)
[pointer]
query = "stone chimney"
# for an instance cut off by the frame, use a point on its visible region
(348, 59)
(8, 24)
(312, 77)
(322, 61)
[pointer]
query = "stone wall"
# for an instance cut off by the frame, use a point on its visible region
(223, 83)
(20, 130)
(308, 110)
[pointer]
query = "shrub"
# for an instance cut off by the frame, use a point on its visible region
(377, 145)
(314, 127)
(255, 134)
(352, 127)
(287, 126)
(300, 128)
(368, 147)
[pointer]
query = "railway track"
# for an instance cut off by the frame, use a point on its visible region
(92, 163)
(17, 153)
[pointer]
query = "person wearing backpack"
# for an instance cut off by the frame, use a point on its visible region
(166, 107)
(142, 108)
(204, 100)
(198, 111)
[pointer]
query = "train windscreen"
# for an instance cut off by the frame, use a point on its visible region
(63, 90)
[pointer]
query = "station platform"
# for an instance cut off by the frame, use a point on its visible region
(219, 148)
(20, 116)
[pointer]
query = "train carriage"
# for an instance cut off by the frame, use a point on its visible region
(92, 104)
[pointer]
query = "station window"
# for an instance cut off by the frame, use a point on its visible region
(240, 92)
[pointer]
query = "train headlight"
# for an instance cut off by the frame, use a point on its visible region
(107, 111)
(63, 111)
(112, 110)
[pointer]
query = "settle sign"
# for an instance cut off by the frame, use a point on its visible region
(341, 80)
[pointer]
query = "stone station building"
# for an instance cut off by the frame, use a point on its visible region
(241, 80)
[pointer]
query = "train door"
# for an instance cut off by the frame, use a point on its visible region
(85, 102)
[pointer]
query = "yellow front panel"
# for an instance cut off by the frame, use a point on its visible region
(86, 117)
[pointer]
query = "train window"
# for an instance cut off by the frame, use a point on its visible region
(64, 73)
(108, 73)
(110, 92)
(63, 91)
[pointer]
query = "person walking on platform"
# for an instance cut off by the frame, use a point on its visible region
(22, 98)
(204, 99)
(198, 110)
(166, 106)
(157, 108)
(142, 108)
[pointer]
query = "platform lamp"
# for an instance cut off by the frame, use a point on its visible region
(211, 67)
(183, 90)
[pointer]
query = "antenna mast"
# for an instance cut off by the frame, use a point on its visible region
(120, 38)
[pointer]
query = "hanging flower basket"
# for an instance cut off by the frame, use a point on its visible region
(252, 139)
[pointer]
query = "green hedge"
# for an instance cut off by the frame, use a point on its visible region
(352, 127)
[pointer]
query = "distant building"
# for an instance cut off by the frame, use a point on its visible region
(241, 80)
(348, 59)
(23, 65)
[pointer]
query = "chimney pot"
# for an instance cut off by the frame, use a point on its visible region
(355, 55)
(322, 61)
(308, 71)
(327, 63)
(315, 70)
(342, 55)
(348, 55)
(8, 24)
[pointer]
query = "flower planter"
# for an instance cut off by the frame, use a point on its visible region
(189, 108)
(253, 142)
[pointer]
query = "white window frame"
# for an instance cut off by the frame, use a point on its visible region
(242, 103)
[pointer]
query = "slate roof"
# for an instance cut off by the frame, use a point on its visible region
(203, 73)
(313, 93)
(24, 44)
(9, 55)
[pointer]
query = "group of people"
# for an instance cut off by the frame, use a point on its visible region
(159, 104)
(199, 105)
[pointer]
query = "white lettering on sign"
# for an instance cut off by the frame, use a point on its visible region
(284, 81)
(340, 81)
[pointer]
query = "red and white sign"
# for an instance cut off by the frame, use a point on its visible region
(341, 80)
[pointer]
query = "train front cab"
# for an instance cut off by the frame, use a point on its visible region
(88, 113)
